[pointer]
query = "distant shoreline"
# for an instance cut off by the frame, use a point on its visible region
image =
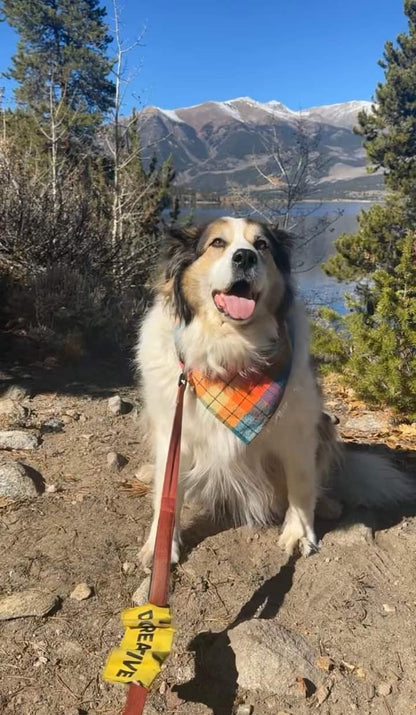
(340, 201)
(305, 201)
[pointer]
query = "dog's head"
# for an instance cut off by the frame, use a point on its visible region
(236, 269)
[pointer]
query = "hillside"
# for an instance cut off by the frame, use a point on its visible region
(217, 143)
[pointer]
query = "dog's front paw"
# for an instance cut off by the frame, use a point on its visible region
(289, 539)
(307, 547)
(147, 551)
(294, 533)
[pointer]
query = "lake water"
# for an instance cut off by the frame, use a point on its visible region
(313, 246)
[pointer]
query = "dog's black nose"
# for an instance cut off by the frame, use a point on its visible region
(244, 258)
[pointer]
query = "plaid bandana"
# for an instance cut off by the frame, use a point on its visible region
(244, 402)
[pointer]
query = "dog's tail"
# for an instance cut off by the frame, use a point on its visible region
(369, 480)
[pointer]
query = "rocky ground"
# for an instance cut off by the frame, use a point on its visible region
(255, 633)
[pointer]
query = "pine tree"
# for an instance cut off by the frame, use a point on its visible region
(379, 359)
(61, 60)
(389, 131)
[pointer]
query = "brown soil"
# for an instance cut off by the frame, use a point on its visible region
(355, 601)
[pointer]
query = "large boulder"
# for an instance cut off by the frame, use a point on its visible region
(15, 481)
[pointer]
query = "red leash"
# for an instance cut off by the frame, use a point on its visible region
(159, 585)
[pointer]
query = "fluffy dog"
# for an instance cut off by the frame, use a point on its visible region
(226, 306)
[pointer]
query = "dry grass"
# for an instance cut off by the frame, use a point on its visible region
(134, 487)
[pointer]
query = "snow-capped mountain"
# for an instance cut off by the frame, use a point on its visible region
(214, 144)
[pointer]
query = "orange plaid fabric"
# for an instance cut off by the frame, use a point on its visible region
(243, 403)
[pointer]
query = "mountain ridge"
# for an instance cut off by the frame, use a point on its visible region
(218, 143)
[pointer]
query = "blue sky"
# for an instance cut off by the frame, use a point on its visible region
(300, 52)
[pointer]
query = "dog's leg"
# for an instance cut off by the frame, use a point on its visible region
(146, 553)
(301, 478)
(277, 477)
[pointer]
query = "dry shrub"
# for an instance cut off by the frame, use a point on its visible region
(62, 280)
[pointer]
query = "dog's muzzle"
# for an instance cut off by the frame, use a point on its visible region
(239, 300)
(244, 262)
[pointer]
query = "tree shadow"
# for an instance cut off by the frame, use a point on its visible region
(213, 651)
(97, 377)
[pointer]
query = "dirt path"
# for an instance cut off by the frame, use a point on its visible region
(354, 602)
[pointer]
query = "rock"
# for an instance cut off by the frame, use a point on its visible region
(322, 694)
(141, 594)
(173, 700)
(389, 609)
(333, 419)
(15, 481)
(52, 425)
(244, 709)
(81, 592)
(145, 473)
(324, 662)
(17, 392)
(129, 567)
(384, 689)
(88, 437)
(51, 489)
(118, 406)
(42, 660)
(371, 691)
(17, 439)
(368, 423)
(116, 461)
(268, 657)
(70, 650)
(32, 602)
(304, 687)
(351, 534)
(11, 408)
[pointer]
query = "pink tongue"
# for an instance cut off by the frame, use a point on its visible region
(237, 308)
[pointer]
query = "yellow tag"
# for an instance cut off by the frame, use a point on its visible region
(157, 616)
(159, 640)
(143, 648)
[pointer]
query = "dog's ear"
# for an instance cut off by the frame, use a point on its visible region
(280, 247)
(181, 246)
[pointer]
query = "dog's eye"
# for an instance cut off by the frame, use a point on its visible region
(218, 243)
(260, 244)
